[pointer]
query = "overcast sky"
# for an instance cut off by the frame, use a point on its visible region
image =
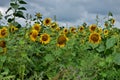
(72, 12)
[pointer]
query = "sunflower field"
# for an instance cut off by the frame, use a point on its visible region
(46, 51)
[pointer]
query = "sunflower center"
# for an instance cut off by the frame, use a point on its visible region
(93, 28)
(2, 44)
(61, 40)
(12, 29)
(105, 31)
(45, 38)
(72, 30)
(95, 37)
(3, 32)
(47, 21)
(65, 30)
(37, 27)
(81, 29)
(34, 35)
(53, 26)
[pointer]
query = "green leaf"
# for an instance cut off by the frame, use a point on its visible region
(3, 58)
(7, 16)
(110, 42)
(102, 63)
(17, 24)
(14, 5)
(49, 58)
(10, 20)
(110, 14)
(1, 49)
(22, 8)
(101, 48)
(19, 14)
(23, 54)
(6, 71)
(8, 10)
(116, 58)
(22, 2)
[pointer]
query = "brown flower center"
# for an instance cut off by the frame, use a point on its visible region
(93, 28)
(45, 38)
(2, 44)
(81, 28)
(95, 37)
(12, 29)
(34, 35)
(47, 21)
(65, 30)
(61, 40)
(3, 32)
(36, 27)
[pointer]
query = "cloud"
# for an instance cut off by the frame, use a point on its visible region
(73, 12)
(4, 3)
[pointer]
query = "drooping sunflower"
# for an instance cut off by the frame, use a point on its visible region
(57, 28)
(2, 44)
(38, 15)
(45, 38)
(47, 21)
(37, 27)
(61, 41)
(95, 38)
(82, 41)
(81, 28)
(100, 30)
(106, 32)
(106, 24)
(13, 28)
(92, 27)
(53, 25)
(3, 32)
(112, 21)
(33, 35)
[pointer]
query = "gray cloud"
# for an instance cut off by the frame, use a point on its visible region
(73, 11)
(4, 3)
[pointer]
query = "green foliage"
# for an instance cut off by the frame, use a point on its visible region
(17, 11)
(110, 42)
(23, 58)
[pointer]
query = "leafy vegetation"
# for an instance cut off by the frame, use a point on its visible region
(46, 51)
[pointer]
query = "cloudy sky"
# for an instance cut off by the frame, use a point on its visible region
(72, 12)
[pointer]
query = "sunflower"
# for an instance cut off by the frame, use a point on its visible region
(61, 41)
(106, 32)
(54, 25)
(81, 28)
(82, 41)
(92, 27)
(112, 21)
(106, 24)
(37, 27)
(95, 38)
(57, 28)
(2, 44)
(45, 38)
(33, 35)
(3, 32)
(38, 15)
(99, 30)
(13, 28)
(65, 31)
(47, 21)
(73, 30)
